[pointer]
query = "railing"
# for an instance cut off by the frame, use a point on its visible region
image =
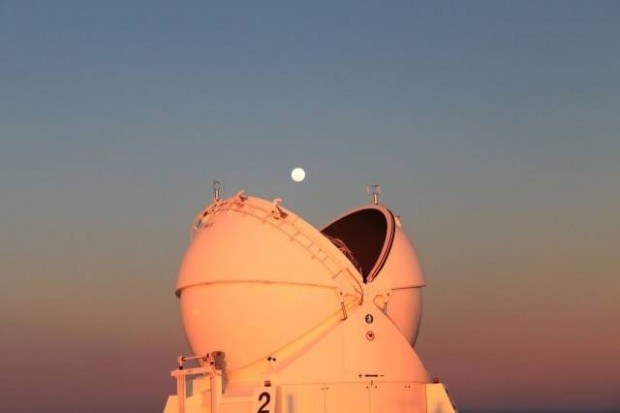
(212, 368)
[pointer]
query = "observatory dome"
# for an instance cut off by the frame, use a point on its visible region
(257, 278)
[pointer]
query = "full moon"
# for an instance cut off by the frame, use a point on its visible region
(298, 174)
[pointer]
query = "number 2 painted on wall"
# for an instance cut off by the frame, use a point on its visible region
(267, 398)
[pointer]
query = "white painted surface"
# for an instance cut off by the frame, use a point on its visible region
(286, 305)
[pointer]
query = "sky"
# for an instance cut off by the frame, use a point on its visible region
(493, 128)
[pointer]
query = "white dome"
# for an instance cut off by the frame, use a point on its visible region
(257, 278)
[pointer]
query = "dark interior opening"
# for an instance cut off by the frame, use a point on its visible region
(361, 236)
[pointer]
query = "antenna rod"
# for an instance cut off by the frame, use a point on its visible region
(375, 191)
(217, 186)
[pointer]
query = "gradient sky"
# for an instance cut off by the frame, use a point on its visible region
(493, 128)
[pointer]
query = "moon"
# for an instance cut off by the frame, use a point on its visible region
(298, 174)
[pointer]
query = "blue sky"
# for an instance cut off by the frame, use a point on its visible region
(492, 126)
